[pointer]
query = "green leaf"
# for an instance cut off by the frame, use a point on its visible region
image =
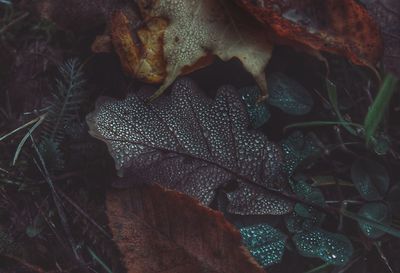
(378, 212)
(36, 227)
(297, 148)
(288, 95)
(382, 144)
(333, 248)
(378, 108)
(265, 243)
(258, 111)
(305, 218)
(370, 178)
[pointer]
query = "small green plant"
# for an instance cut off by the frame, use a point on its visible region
(379, 107)
(67, 98)
(369, 130)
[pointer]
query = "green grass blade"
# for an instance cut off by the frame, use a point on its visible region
(20, 128)
(332, 94)
(321, 269)
(322, 123)
(100, 261)
(386, 228)
(25, 138)
(378, 108)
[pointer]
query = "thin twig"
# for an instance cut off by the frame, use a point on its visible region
(57, 202)
(383, 257)
(83, 213)
(51, 225)
(33, 268)
(13, 22)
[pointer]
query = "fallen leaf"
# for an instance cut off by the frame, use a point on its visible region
(387, 14)
(196, 31)
(159, 230)
(190, 143)
(338, 26)
(147, 62)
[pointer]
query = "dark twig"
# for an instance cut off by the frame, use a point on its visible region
(13, 22)
(57, 202)
(33, 268)
(83, 213)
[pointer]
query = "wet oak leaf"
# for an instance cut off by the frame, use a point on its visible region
(190, 143)
(198, 30)
(158, 230)
(337, 26)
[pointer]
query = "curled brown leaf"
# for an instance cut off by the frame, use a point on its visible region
(158, 230)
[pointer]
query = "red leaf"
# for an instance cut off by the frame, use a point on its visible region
(338, 26)
(387, 14)
(159, 230)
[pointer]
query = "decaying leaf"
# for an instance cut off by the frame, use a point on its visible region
(146, 63)
(159, 230)
(387, 14)
(190, 143)
(196, 31)
(337, 26)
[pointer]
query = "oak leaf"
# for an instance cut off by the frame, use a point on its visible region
(197, 30)
(190, 143)
(158, 230)
(337, 26)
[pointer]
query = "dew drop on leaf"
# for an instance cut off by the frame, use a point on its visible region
(258, 111)
(297, 147)
(265, 243)
(378, 212)
(370, 178)
(288, 95)
(305, 218)
(333, 248)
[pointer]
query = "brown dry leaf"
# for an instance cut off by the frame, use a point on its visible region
(387, 14)
(162, 231)
(338, 26)
(147, 61)
(196, 31)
